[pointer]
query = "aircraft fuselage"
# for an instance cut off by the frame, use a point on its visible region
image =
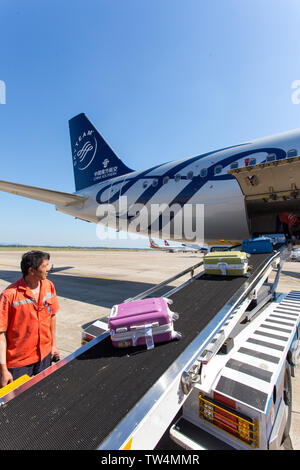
(200, 184)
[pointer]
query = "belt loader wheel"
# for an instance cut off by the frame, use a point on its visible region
(287, 397)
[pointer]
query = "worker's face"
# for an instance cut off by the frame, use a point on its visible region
(41, 272)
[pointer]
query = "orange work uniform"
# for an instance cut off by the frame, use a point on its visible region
(289, 219)
(27, 324)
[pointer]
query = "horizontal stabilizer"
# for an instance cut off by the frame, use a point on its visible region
(57, 198)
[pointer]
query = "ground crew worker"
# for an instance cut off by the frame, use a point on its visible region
(288, 221)
(27, 320)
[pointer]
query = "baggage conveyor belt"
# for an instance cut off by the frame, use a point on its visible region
(80, 403)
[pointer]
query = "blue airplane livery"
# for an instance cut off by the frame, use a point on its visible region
(224, 195)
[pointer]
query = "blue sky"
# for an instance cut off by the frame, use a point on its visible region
(160, 79)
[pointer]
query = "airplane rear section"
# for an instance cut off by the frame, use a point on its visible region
(269, 188)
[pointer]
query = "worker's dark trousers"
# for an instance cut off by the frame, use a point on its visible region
(32, 369)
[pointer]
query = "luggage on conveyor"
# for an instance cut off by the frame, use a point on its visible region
(257, 245)
(142, 322)
(276, 238)
(226, 263)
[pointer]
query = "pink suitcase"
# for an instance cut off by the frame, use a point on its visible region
(142, 322)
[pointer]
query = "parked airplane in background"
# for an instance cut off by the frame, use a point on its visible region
(179, 248)
(196, 246)
(180, 195)
(155, 246)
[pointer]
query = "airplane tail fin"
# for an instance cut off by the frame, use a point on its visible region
(93, 160)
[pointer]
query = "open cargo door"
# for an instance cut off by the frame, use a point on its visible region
(269, 188)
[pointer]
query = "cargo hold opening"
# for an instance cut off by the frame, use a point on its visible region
(263, 217)
(270, 188)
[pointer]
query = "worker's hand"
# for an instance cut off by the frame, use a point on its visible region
(6, 377)
(54, 352)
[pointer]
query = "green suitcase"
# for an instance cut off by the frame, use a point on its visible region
(226, 263)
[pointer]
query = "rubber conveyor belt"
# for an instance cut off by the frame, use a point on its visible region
(78, 405)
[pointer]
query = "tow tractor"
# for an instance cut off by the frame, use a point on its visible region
(228, 375)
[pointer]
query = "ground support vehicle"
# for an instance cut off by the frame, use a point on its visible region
(101, 397)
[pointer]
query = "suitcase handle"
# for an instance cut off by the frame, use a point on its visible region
(113, 311)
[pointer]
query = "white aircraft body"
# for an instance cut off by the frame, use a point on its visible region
(182, 247)
(233, 206)
(155, 246)
(171, 248)
(195, 246)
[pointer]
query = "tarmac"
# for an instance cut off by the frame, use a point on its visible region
(88, 283)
